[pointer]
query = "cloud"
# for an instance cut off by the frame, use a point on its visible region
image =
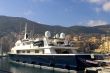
(28, 13)
(101, 5)
(106, 7)
(92, 23)
(96, 1)
(41, 1)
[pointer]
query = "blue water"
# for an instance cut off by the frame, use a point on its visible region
(7, 67)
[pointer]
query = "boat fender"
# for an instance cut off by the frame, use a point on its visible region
(92, 56)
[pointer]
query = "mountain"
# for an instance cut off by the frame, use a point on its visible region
(11, 26)
(17, 24)
(105, 28)
(86, 30)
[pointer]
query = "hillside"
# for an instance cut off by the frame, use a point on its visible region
(16, 24)
(11, 26)
(105, 28)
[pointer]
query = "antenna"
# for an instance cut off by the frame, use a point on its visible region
(25, 35)
(1, 49)
(19, 31)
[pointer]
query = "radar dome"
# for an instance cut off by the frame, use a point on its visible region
(62, 35)
(18, 42)
(47, 34)
(57, 35)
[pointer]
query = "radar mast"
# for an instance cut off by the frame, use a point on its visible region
(25, 35)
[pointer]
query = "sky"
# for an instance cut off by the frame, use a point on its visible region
(59, 12)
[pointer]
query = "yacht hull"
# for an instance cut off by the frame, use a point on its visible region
(71, 62)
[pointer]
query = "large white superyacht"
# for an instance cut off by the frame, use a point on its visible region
(51, 51)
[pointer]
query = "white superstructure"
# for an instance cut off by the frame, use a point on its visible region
(45, 45)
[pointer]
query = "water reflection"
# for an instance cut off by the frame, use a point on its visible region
(24, 69)
(7, 67)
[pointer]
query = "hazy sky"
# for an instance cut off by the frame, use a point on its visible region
(59, 12)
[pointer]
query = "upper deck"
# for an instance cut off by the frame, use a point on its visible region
(45, 45)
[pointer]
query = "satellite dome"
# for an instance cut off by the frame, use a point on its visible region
(57, 35)
(62, 35)
(18, 42)
(47, 34)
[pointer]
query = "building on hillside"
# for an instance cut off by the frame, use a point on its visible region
(104, 47)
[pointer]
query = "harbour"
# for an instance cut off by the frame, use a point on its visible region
(54, 54)
(55, 36)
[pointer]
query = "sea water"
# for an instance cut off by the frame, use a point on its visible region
(8, 67)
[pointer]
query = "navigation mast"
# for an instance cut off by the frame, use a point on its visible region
(25, 35)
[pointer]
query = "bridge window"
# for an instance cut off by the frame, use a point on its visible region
(18, 51)
(38, 43)
(60, 42)
(36, 51)
(23, 51)
(63, 51)
(28, 51)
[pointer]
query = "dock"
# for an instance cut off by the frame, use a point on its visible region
(98, 70)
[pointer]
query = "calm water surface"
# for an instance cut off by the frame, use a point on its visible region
(7, 67)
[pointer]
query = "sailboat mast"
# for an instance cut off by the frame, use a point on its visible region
(1, 48)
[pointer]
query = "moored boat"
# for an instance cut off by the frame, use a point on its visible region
(54, 52)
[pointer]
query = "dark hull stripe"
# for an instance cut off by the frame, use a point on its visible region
(73, 62)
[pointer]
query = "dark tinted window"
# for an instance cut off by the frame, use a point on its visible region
(28, 51)
(36, 51)
(38, 43)
(18, 51)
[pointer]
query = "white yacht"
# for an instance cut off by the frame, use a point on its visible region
(51, 51)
